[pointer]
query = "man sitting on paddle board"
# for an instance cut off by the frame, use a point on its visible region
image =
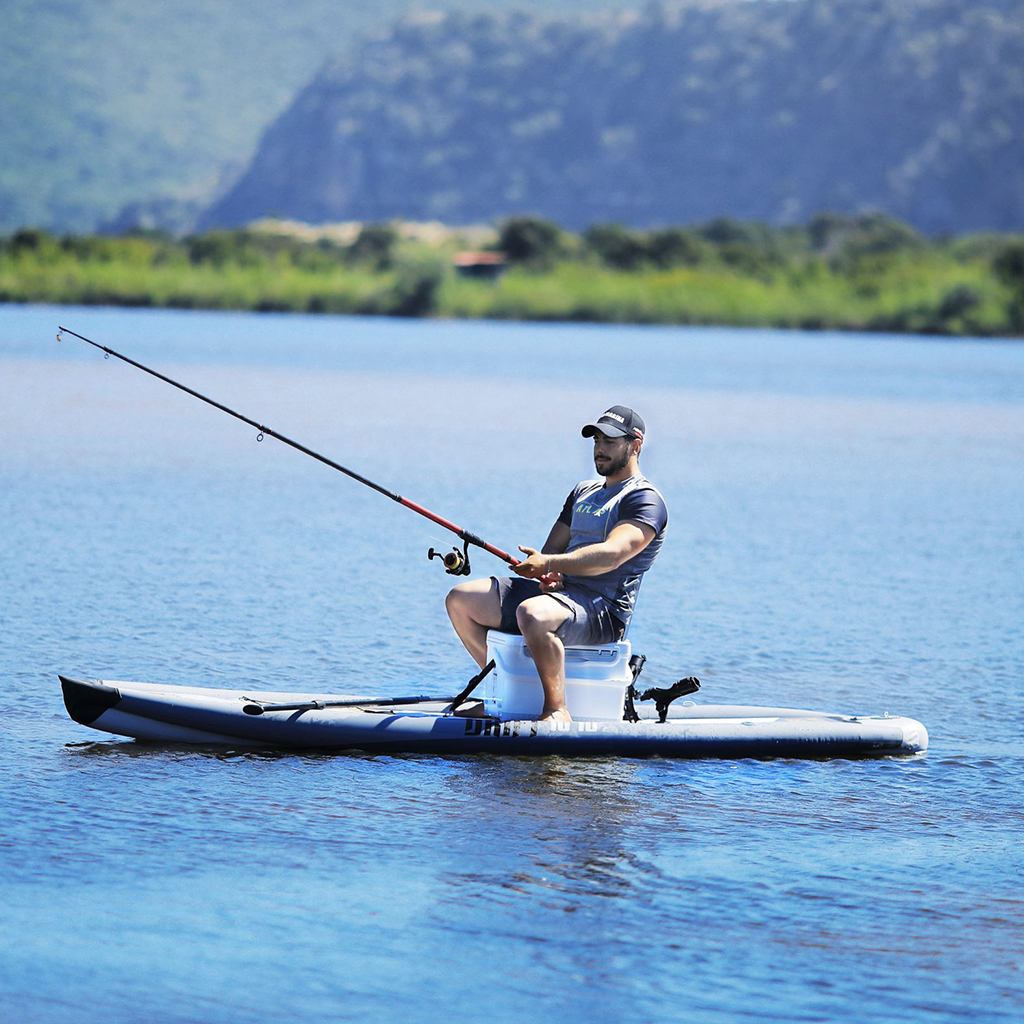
(581, 587)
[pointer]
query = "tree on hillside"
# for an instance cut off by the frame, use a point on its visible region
(375, 245)
(1009, 268)
(531, 240)
(675, 247)
(616, 246)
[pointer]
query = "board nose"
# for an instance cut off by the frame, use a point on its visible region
(87, 699)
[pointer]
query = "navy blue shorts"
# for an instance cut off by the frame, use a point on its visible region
(590, 620)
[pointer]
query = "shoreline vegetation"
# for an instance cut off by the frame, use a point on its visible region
(838, 272)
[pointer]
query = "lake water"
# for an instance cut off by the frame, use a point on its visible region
(846, 534)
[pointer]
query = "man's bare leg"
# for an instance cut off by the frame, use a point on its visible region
(474, 608)
(538, 618)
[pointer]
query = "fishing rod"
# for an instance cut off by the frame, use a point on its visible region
(456, 562)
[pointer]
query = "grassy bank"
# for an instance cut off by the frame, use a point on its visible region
(845, 273)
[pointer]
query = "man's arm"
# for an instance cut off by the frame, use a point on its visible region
(558, 539)
(625, 540)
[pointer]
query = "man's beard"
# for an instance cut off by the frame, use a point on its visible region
(615, 464)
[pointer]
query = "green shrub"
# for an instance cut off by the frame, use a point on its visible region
(725, 231)
(375, 246)
(1008, 267)
(957, 301)
(416, 288)
(675, 247)
(616, 247)
(530, 240)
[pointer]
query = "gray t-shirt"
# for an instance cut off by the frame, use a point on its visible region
(591, 511)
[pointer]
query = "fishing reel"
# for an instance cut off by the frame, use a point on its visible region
(456, 562)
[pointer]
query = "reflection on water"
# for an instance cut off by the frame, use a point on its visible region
(577, 814)
(845, 535)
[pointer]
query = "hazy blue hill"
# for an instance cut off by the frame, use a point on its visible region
(108, 102)
(676, 114)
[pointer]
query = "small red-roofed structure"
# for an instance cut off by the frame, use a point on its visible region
(486, 265)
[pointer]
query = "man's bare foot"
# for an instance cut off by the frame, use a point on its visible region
(558, 715)
(473, 709)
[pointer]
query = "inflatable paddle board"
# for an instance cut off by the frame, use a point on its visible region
(247, 718)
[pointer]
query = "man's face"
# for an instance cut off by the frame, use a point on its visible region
(611, 453)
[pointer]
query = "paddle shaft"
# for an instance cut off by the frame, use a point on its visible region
(470, 538)
(254, 707)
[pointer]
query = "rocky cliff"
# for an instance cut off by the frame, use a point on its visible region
(675, 114)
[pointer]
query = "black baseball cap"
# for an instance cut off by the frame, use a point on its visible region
(618, 421)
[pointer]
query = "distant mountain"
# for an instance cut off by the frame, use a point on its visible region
(676, 114)
(106, 104)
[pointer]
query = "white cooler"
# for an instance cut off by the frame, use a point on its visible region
(596, 679)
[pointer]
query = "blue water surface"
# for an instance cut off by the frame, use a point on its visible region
(846, 534)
